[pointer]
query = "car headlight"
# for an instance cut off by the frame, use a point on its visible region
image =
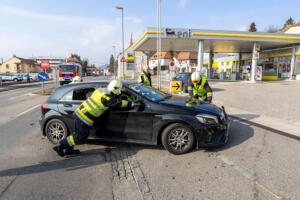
(207, 119)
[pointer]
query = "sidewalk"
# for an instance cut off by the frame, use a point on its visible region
(271, 104)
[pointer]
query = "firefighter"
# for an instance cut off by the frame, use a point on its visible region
(145, 77)
(199, 88)
(76, 79)
(88, 111)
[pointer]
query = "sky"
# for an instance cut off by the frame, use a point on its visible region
(32, 28)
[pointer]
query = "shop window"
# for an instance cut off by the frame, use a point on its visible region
(7, 66)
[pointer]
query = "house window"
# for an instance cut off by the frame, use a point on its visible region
(18, 66)
(7, 66)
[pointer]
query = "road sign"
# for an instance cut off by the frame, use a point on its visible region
(172, 66)
(45, 64)
(42, 76)
(175, 86)
(123, 59)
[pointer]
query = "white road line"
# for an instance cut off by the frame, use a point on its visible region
(250, 176)
(19, 96)
(28, 110)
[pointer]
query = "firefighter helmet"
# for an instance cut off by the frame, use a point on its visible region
(115, 87)
(196, 77)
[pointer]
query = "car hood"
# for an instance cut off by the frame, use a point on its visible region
(204, 108)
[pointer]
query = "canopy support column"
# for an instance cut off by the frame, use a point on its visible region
(255, 57)
(200, 55)
(210, 64)
(293, 62)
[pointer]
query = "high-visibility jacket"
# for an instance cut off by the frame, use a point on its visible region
(92, 107)
(146, 79)
(200, 90)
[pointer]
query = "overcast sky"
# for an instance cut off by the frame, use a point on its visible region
(90, 28)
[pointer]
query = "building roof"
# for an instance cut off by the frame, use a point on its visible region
(163, 55)
(288, 27)
(28, 61)
(187, 56)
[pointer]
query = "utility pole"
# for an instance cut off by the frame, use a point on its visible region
(123, 68)
(114, 47)
(159, 44)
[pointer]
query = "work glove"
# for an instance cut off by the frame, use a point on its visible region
(137, 103)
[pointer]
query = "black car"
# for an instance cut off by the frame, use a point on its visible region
(185, 79)
(160, 121)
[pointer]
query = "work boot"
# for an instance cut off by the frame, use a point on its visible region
(59, 150)
(71, 151)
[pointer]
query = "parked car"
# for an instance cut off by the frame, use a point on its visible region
(11, 77)
(185, 79)
(160, 121)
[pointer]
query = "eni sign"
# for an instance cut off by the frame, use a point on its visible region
(178, 33)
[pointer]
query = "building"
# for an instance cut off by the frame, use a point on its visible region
(135, 62)
(164, 63)
(20, 65)
(53, 61)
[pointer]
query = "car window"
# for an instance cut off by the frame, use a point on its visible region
(68, 96)
(148, 92)
(82, 93)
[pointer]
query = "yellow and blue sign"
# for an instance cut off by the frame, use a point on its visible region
(175, 86)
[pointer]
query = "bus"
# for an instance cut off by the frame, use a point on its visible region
(67, 71)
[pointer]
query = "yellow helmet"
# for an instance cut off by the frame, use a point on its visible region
(115, 87)
(196, 77)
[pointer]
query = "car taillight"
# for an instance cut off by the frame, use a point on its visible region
(44, 105)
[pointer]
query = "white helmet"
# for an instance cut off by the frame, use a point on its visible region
(76, 79)
(115, 87)
(196, 77)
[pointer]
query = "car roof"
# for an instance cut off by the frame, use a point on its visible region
(59, 91)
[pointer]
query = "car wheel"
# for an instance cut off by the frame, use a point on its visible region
(15, 80)
(56, 130)
(178, 138)
(185, 88)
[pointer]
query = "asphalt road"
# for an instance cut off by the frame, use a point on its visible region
(256, 164)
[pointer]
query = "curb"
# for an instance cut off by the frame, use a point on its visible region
(22, 86)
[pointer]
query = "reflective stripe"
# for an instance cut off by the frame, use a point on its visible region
(83, 118)
(106, 97)
(69, 141)
(92, 107)
(89, 109)
(209, 94)
(72, 140)
(123, 103)
(93, 102)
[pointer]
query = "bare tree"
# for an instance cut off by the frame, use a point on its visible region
(272, 29)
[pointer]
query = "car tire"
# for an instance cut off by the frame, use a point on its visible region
(185, 88)
(56, 130)
(175, 135)
(15, 80)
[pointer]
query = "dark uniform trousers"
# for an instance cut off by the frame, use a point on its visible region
(80, 134)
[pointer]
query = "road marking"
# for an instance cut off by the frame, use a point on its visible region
(250, 176)
(28, 110)
(11, 98)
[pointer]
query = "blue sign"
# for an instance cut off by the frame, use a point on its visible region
(42, 76)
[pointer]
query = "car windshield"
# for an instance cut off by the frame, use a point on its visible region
(67, 68)
(148, 92)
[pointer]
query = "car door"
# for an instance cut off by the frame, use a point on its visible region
(124, 124)
(72, 99)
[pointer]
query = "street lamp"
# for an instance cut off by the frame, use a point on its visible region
(121, 8)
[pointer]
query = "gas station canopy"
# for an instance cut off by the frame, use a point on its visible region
(179, 39)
